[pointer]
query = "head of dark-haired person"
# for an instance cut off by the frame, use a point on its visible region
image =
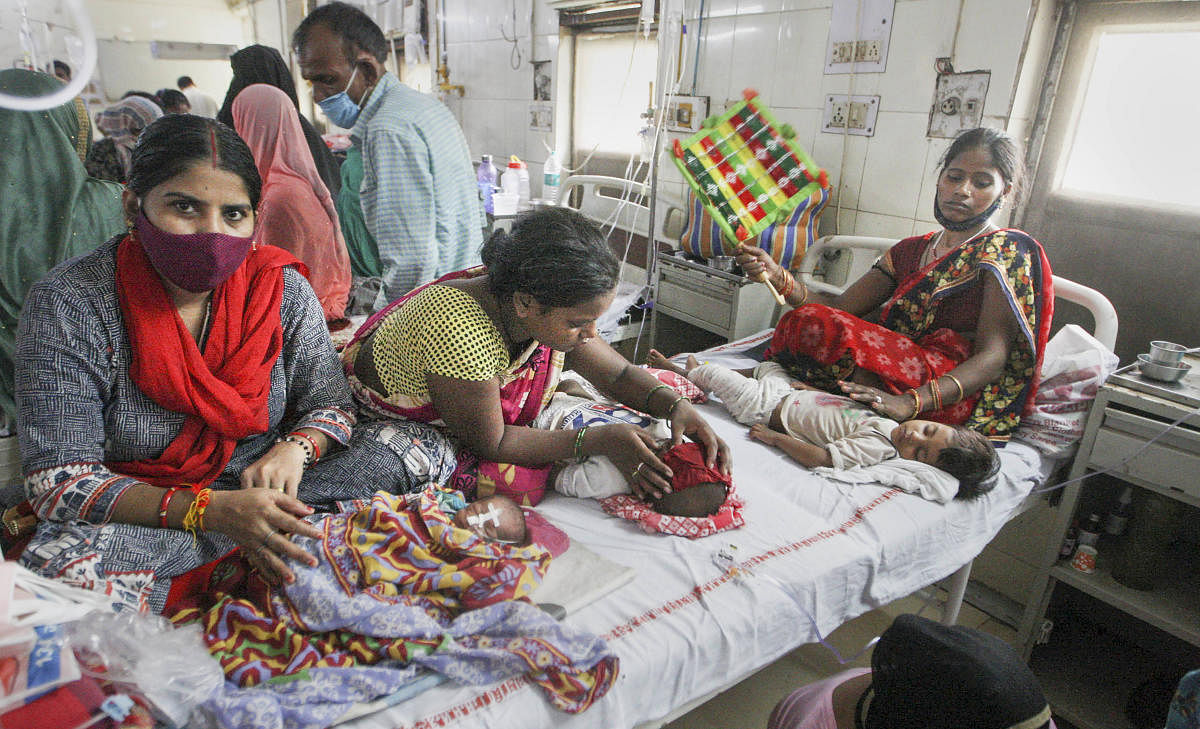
(557, 271)
(340, 49)
(184, 81)
(981, 168)
(256, 64)
(925, 675)
(174, 102)
(191, 200)
(62, 71)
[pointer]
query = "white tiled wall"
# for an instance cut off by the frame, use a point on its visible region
(494, 107)
(884, 183)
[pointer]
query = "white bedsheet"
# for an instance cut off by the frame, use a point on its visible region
(684, 628)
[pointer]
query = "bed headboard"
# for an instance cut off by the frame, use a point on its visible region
(612, 200)
(865, 250)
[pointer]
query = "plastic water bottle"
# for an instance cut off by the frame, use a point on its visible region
(510, 181)
(551, 179)
(485, 177)
(522, 172)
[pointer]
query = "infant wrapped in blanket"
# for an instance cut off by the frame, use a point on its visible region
(824, 430)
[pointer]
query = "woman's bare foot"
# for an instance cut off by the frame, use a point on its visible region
(659, 362)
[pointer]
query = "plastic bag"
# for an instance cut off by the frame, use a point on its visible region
(1074, 367)
(147, 655)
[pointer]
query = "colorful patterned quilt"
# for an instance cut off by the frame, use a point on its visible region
(397, 587)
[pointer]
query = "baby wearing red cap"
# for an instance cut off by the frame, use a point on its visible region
(696, 489)
(702, 500)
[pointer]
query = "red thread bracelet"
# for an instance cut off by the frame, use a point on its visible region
(163, 505)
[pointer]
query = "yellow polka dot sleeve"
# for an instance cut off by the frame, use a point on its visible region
(442, 330)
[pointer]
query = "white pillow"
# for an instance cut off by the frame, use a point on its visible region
(1074, 367)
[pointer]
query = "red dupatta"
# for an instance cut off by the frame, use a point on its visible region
(223, 390)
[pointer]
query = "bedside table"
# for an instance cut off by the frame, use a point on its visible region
(1128, 417)
(727, 304)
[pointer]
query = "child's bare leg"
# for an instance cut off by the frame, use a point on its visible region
(656, 360)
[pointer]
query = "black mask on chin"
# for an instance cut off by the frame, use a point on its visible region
(969, 223)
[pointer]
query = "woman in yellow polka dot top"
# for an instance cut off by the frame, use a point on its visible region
(479, 353)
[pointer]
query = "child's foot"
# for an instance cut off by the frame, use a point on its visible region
(656, 360)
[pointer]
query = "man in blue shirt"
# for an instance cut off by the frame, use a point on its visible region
(409, 205)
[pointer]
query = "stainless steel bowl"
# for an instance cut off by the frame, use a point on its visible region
(1167, 353)
(723, 263)
(1162, 372)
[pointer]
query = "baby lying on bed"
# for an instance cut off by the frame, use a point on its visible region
(494, 518)
(820, 429)
(696, 490)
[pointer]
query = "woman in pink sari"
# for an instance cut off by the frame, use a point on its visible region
(296, 212)
(479, 353)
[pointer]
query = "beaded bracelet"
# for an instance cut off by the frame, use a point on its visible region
(935, 391)
(962, 394)
(311, 441)
(316, 455)
(193, 520)
(674, 405)
(305, 445)
(916, 401)
(578, 450)
(656, 388)
(162, 506)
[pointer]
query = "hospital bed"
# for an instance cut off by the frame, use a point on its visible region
(701, 615)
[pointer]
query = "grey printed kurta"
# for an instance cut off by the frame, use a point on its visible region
(79, 408)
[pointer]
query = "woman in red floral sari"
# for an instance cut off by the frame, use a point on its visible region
(949, 326)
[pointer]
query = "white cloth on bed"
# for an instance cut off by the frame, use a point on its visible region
(854, 435)
(911, 476)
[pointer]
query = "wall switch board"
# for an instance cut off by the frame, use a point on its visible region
(859, 33)
(850, 114)
(958, 100)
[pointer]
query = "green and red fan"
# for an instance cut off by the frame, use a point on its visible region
(747, 171)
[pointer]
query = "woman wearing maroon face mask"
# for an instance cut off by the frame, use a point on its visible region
(176, 385)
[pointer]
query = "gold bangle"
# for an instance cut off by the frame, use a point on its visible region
(789, 284)
(674, 405)
(962, 394)
(656, 388)
(935, 392)
(916, 402)
(805, 297)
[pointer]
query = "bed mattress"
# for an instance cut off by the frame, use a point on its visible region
(812, 551)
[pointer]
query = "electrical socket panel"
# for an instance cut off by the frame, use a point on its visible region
(958, 100)
(859, 34)
(842, 52)
(867, 51)
(850, 114)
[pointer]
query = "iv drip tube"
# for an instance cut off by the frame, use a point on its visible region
(78, 82)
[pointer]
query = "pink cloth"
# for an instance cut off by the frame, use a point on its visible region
(811, 706)
(627, 506)
(296, 212)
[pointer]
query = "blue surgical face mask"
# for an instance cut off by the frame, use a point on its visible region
(340, 109)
